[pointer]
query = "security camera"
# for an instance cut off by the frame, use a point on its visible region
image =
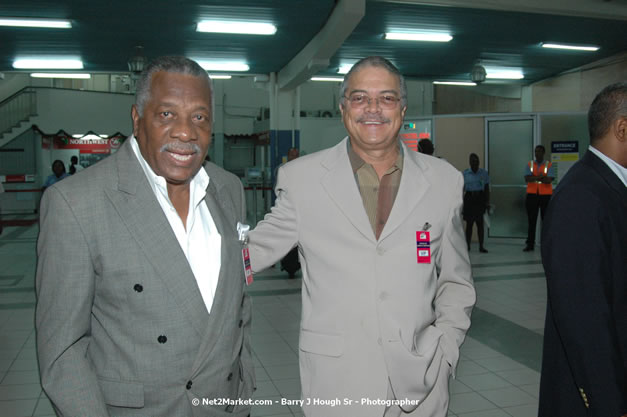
(478, 74)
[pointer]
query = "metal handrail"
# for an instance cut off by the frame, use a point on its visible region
(17, 108)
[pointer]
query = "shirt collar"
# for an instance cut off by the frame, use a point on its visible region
(357, 162)
(198, 184)
(618, 169)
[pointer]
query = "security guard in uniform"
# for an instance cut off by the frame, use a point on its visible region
(539, 175)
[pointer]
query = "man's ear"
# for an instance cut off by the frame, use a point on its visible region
(135, 116)
(620, 128)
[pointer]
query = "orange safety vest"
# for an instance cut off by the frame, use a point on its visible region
(537, 187)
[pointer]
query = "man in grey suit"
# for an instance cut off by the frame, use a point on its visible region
(387, 286)
(140, 303)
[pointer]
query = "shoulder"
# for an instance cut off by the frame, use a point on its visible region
(221, 177)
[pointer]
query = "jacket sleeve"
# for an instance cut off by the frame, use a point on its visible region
(577, 254)
(277, 233)
(455, 296)
(65, 294)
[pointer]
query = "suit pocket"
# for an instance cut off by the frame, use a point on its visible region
(122, 394)
(321, 343)
(423, 343)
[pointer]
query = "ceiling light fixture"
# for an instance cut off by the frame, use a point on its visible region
(232, 66)
(48, 63)
(465, 83)
(246, 28)
(591, 48)
(35, 23)
(77, 76)
(219, 76)
(419, 36)
(344, 68)
(335, 79)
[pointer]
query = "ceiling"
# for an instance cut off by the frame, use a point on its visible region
(316, 36)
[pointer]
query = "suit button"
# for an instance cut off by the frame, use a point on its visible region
(189, 385)
(138, 288)
(380, 251)
(379, 341)
(383, 296)
(240, 323)
(162, 339)
(228, 378)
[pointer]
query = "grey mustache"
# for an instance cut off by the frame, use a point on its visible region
(180, 147)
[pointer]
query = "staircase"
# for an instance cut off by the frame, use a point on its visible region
(16, 112)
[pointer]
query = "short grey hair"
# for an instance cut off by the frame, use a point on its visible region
(375, 61)
(609, 105)
(174, 64)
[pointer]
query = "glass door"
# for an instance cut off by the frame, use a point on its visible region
(509, 147)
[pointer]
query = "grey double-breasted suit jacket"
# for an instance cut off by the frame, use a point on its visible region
(122, 329)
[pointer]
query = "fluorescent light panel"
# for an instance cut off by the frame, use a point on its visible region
(466, 83)
(232, 66)
(336, 79)
(59, 75)
(246, 28)
(219, 76)
(36, 23)
(344, 68)
(419, 36)
(571, 47)
(47, 63)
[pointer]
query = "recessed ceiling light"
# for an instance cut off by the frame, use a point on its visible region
(35, 23)
(466, 83)
(223, 65)
(47, 63)
(336, 79)
(571, 47)
(246, 28)
(419, 36)
(219, 76)
(59, 75)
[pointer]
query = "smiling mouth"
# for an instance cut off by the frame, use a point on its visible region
(182, 158)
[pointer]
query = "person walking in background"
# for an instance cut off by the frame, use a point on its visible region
(58, 173)
(426, 146)
(74, 165)
(539, 175)
(476, 199)
(584, 253)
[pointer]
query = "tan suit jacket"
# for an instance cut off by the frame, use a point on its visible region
(372, 315)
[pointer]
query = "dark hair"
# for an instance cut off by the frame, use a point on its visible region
(174, 64)
(375, 61)
(473, 154)
(541, 147)
(607, 106)
(60, 162)
(425, 146)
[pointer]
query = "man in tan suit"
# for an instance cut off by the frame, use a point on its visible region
(387, 287)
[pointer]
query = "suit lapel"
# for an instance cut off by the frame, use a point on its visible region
(229, 286)
(414, 184)
(607, 174)
(341, 186)
(140, 211)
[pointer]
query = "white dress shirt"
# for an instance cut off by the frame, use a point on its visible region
(618, 169)
(200, 241)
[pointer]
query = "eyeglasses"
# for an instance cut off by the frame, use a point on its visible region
(385, 101)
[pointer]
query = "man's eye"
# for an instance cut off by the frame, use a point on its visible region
(358, 98)
(388, 99)
(166, 114)
(199, 117)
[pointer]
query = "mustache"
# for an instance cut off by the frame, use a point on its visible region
(180, 147)
(373, 118)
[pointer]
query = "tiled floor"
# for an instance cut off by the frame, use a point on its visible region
(498, 373)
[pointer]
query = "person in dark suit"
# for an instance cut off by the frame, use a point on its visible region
(140, 303)
(584, 253)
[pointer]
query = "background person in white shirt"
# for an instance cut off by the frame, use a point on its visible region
(141, 309)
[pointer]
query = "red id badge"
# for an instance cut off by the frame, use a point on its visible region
(423, 247)
(248, 270)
